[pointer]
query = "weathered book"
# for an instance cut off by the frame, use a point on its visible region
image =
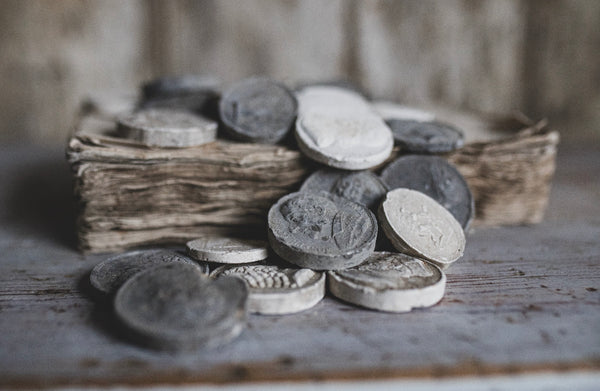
(130, 195)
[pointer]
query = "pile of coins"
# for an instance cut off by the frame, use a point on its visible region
(326, 231)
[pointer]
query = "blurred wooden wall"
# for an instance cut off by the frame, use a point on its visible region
(541, 57)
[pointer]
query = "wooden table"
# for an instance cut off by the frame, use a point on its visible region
(522, 308)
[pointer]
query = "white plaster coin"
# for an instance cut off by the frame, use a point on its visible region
(389, 282)
(390, 110)
(224, 249)
(274, 290)
(416, 224)
(338, 128)
(163, 127)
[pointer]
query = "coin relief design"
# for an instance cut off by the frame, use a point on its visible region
(389, 282)
(434, 176)
(425, 137)
(417, 224)
(362, 187)
(321, 231)
(276, 290)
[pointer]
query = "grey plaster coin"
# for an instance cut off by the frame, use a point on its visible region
(161, 127)
(416, 224)
(338, 128)
(176, 307)
(177, 86)
(321, 231)
(435, 177)
(258, 110)
(362, 187)
(110, 274)
(389, 282)
(224, 249)
(425, 137)
(275, 290)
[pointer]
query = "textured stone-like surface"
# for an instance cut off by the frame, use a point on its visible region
(258, 110)
(277, 290)
(225, 249)
(418, 225)
(176, 307)
(425, 137)
(389, 282)
(321, 231)
(110, 274)
(435, 177)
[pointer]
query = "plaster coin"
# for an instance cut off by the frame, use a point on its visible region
(110, 274)
(258, 110)
(176, 307)
(425, 137)
(177, 86)
(161, 127)
(389, 282)
(338, 128)
(435, 177)
(274, 290)
(416, 224)
(321, 231)
(227, 250)
(362, 187)
(391, 110)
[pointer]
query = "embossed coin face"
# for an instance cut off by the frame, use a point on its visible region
(416, 224)
(160, 127)
(362, 187)
(435, 177)
(425, 137)
(110, 274)
(227, 250)
(389, 282)
(258, 110)
(338, 128)
(276, 290)
(175, 307)
(321, 231)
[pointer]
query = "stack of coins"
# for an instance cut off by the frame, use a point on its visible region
(326, 231)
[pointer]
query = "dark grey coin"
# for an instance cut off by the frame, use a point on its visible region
(425, 137)
(435, 177)
(177, 86)
(110, 274)
(258, 110)
(176, 307)
(321, 231)
(363, 187)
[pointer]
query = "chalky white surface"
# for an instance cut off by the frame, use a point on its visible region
(274, 290)
(415, 223)
(390, 110)
(389, 282)
(224, 249)
(337, 127)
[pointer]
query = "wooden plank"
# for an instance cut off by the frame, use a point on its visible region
(523, 300)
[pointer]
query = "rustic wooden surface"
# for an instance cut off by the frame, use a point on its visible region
(524, 301)
(538, 56)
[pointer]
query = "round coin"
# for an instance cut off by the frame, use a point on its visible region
(177, 86)
(274, 290)
(338, 128)
(416, 224)
(176, 307)
(425, 137)
(321, 231)
(161, 127)
(389, 282)
(362, 187)
(227, 250)
(110, 274)
(258, 110)
(435, 177)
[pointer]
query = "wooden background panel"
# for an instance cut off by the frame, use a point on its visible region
(538, 56)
